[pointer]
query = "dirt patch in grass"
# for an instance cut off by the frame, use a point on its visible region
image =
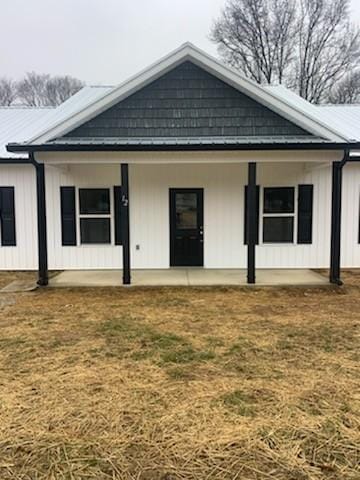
(165, 384)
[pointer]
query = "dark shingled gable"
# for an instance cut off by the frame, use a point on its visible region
(187, 102)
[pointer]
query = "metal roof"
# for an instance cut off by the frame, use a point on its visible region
(187, 140)
(343, 118)
(347, 115)
(189, 52)
(18, 124)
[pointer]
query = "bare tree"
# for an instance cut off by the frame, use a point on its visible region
(32, 89)
(38, 90)
(7, 91)
(347, 90)
(59, 89)
(308, 45)
(256, 37)
(328, 47)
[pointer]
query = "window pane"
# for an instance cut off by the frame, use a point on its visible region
(278, 230)
(94, 200)
(186, 210)
(95, 230)
(279, 200)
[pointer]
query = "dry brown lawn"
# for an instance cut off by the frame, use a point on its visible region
(180, 383)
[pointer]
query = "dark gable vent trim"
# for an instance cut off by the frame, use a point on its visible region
(68, 216)
(257, 214)
(117, 215)
(7, 213)
(305, 214)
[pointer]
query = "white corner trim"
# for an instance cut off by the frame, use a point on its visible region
(211, 65)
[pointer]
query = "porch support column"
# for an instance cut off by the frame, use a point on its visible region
(125, 226)
(251, 222)
(43, 277)
(336, 223)
(335, 254)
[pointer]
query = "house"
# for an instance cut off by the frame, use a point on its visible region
(188, 163)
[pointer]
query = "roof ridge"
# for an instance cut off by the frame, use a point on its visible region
(338, 105)
(26, 107)
(100, 86)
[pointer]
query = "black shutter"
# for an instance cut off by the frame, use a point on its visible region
(7, 210)
(117, 215)
(68, 216)
(257, 214)
(305, 213)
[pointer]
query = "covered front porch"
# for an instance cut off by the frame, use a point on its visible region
(238, 195)
(195, 277)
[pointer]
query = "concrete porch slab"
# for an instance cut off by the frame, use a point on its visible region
(188, 277)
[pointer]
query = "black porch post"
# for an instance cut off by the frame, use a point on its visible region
(251, 222)
(336, 223)
(125, 227)
(43, 277)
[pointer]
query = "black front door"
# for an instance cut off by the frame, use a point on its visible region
(186, 227)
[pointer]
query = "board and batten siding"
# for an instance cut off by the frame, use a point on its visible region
(350, 247)
(24, 255)
(149, 214)
(224, 214)
(80, 256)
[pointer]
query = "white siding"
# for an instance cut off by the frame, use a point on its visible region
(224, 213)
(149, 214)
(81, 256)
(350, 251)
(316, 254)
(24, 255)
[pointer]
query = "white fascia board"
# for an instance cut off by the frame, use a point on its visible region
(211, 65)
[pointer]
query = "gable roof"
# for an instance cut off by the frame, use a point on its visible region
(188, 52)
(186, 102)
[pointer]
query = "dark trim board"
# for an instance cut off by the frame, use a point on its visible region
(203, 146)
(14, 161)
(186, 245)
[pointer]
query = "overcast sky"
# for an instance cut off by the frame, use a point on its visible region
(101, 41)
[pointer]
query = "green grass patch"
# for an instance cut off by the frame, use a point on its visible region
(186, 355)
(240, 402)
(129, 337)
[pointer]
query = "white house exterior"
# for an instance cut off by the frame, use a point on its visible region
(108, 180)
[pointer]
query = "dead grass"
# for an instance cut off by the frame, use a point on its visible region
(165, 384)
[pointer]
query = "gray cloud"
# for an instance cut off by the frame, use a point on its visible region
(101, 41)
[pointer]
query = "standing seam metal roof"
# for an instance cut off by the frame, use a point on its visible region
(18, 124)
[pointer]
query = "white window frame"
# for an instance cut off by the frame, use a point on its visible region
(94, 215)
(294, 215)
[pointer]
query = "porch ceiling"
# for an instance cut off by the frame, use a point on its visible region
(189, 277)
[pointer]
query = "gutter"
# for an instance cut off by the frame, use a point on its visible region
(88, 147)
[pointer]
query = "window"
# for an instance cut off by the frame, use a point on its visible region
(7, 216)
(186, 211)
(278, 214)
(95, 215)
